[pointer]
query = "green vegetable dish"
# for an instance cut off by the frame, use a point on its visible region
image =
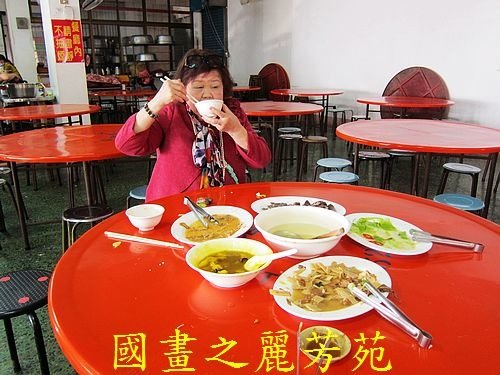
(381, 231)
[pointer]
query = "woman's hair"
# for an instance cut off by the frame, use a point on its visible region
(199, 61)
(3, 58)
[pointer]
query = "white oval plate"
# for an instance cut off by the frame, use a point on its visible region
(351, 311)
(262, 204)
(246, 218)
(420, 248)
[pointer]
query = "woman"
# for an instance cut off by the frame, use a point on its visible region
(194, 151)
(8, 72)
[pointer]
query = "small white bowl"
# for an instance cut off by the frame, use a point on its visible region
(231, 280)
(145, 216)
(203, 107)
(328, 220)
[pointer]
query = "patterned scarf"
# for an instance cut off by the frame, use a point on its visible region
(208, 152)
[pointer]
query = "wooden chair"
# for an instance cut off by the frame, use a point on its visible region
(420, 82)
(274, 76)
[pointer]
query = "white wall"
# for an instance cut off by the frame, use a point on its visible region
(21, 40)
(358, 46)
(68, 80)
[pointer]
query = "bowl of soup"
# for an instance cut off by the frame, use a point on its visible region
(313, 231)
(221, 261)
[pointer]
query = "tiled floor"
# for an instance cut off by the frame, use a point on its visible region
(49, 201)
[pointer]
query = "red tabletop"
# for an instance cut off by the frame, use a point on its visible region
(246, 88)
(61, 144)
(407, 102)
(423, 135)
(39, 112)
(269, 108)
(99, 291)
(123, 93)
(306, 92)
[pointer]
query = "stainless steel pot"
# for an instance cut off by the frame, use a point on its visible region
(145, 57)
(21, 90)
(99, 59)
(114, 59)
(141, 39)
(164, 39)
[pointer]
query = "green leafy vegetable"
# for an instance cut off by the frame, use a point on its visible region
(382, 232)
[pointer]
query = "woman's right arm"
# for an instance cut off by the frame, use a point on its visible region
(170, 91)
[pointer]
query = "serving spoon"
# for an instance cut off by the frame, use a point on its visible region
(293, 235)
(256, 261)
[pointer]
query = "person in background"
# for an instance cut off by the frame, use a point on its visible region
(8, 72)
(194, 151)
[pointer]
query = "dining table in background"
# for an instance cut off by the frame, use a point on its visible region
(243, 92)
(426, 137)
(105, 293)
(129, 97)
(242, 89)
(272, 109)
(404, 103)
(49, 111)
(60, 144)
(312, 94)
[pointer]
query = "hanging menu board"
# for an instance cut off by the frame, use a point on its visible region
(68, 41)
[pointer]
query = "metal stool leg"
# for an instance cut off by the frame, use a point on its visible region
(475, 180)
(65, 236)
(40, 346)
(279, 152)
(316, 172)
(303, 155)
(12, 345)
(442, 183)
(3, 228)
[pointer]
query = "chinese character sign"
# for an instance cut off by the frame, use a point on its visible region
(68, 41)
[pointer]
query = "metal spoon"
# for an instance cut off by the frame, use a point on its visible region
(258, 260)
(290, 234)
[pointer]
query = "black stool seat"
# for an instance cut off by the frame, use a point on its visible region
(21, 293)
(73, 217)
(87, 214)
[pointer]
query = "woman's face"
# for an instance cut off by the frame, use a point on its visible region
(206, 86)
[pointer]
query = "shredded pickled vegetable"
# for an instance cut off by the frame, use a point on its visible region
(324, 288)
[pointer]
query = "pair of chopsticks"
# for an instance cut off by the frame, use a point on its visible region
(190, 97)
(149, 241)
(421, 236)
(392, 313)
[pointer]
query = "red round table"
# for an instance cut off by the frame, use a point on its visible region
(130, 99)
(428, 137)
(122, 93)
(311, 93)
(60, 144)
(49, 111)
(273, 109)
(101, 292)
(240, 89)
(405, 102)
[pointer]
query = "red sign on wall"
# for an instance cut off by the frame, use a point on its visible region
(68, 41)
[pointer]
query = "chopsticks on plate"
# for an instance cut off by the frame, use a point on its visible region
(392, 313)
(149, 241)
(421, 236)
(190, 97)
